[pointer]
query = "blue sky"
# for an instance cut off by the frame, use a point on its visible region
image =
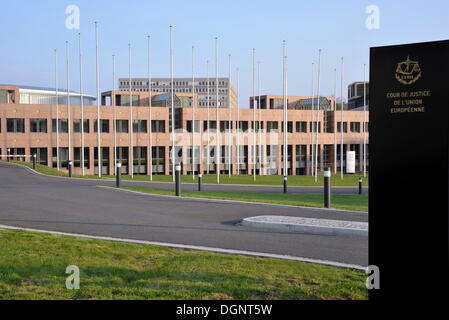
(31, 30)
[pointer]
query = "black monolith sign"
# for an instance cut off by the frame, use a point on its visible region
(408, 170)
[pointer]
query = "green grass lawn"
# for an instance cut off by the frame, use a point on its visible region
(32, 266)
(338, 201)
(351, 180)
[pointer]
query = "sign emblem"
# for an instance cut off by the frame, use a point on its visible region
(408, 71)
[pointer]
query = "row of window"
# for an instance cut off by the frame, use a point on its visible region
(158, 126)
(175, 83)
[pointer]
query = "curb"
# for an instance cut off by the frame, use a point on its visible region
(308, 228)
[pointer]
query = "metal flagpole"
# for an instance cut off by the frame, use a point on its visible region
(131, 149)
(317, 116)
(229, 122)
(172, 109)
(57, 110)
(68, 99)
(312, 124)
(98, 102)
(208, 125)
(285, 117)
(193, 113)
(237, 127)
(82, 109)
(341, 125)
(335, 122)
(260, 127)
(254, 116)
(364, 120)
(217, 153)
(149, 112)
(115, 114)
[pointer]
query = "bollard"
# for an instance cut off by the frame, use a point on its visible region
(70, 168)
(360, 185)
(178, 179)
(327, 187)
(34, 161)
(285, 184)
(9, 151)
(200, 177)
(118, 174)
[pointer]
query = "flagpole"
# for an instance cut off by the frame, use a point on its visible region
(82, 109)
(364, 120)
(57, 110)
(193, 113)
(115, 114)
(260, 127)
(208, 125)
(149, 112)
(254, 116)
(98, 102)
(229, 122)
(131, 151)
(312, 125)
(172, 109)
(217, 153)
(285, 114)
(335, 121)
(317, 117)
(237, 127)
(68, 98)
(341, 125)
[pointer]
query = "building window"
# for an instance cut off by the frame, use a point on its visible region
(63, 157)
(62, 125)
(225, 126)
(104, 126)
(257, 125)
(140, 126)
(77, 125)
(77, 157)
(289, 126)
(243, 126)
(41, 155)
(301, 126)
(272, 126)
(313, 126)
(121, 126)
(212, 125)
(38, 125)
(15, 125)
(345, 127)
(355, 126)
(158, 126)
(189, 126)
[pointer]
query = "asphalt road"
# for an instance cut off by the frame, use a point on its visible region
(81, 206)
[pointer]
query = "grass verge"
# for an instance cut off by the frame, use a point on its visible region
(349, 180)
(338, 201)
(32, 266)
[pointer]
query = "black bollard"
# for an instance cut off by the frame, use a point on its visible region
(118, 174)
(285, 184)
(360, 185)
(9, 152)
(34, 161)
(178, 179)
(327, 187)
(70, 168)
(200, 178)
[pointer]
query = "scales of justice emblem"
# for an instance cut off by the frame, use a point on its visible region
(408, 71)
